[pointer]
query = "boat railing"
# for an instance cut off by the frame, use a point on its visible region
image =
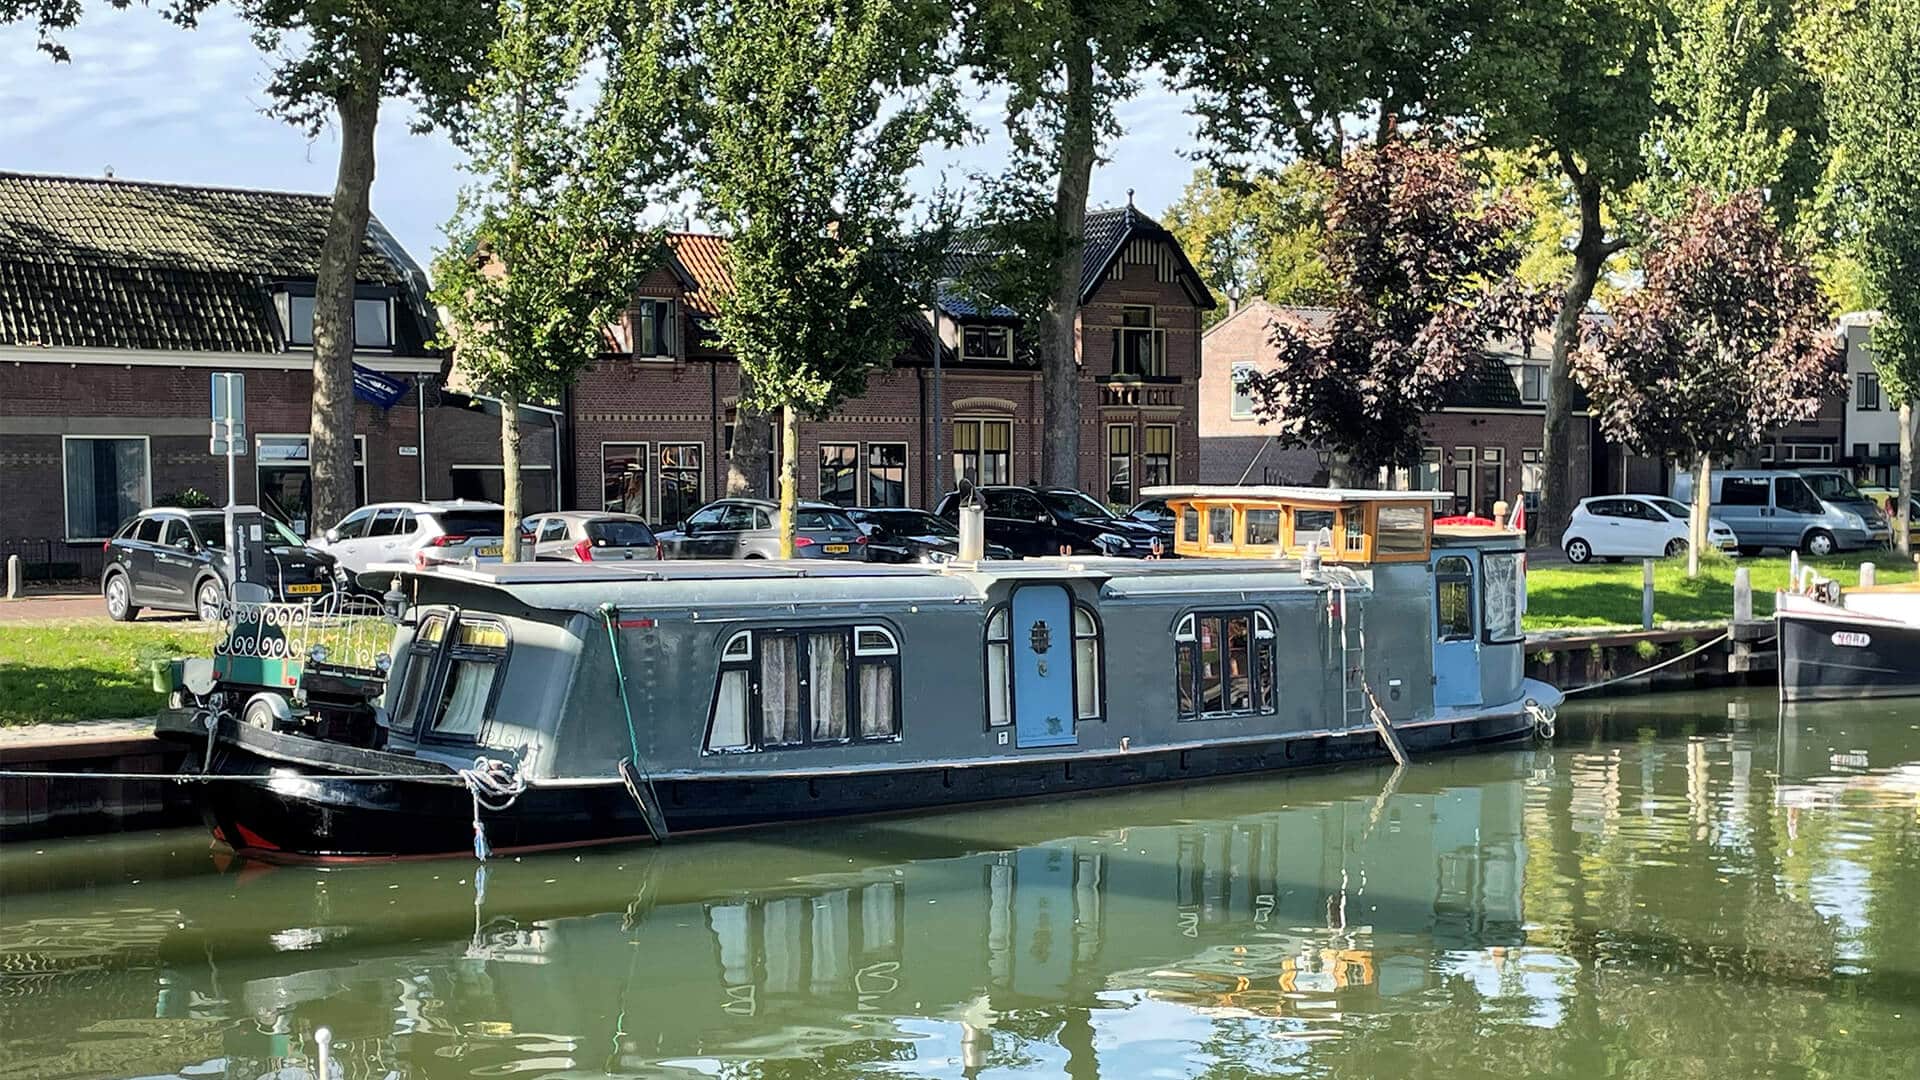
(340, 631)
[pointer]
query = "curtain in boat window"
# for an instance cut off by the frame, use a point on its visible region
(999, 671)
(780, 689)
(730, 711)
(1501, 596)
(827, 684)
(466, 699)
(876, 700)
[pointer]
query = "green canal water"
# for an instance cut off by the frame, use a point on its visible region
(1677, 886)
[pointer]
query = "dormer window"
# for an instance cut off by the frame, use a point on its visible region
(653, 328)
(991, 343)
(372, 320)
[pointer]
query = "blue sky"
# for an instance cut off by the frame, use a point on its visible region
(154, 102)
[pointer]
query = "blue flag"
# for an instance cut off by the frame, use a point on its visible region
(378, 387)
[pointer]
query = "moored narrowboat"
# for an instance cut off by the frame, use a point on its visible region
(541, 705)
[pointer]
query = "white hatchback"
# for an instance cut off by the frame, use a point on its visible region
(1636, 526)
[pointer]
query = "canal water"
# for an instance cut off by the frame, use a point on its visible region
(1677, 886)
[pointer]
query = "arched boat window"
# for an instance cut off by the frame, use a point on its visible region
(1086, 664)
(999, 670)
(1453, 598)
(403, 708)
(1224, 664)
(828, 685)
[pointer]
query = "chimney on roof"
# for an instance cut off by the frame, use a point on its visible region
(109, 172)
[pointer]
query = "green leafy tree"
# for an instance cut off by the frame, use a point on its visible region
(1727, 339)
(544, 251)
(1257, 235)
(1423, 265)
(811, 113)
(52, 18)
(1872, 88)
(339, 60)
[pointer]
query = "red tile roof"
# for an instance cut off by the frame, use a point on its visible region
(702, 257)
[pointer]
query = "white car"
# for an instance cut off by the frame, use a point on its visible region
(424, 534)
(1636, 526)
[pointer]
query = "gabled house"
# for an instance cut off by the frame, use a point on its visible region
(652, 421)
(118, 300)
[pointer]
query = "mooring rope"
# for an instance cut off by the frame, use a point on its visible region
(1647, 670)
(494, 785)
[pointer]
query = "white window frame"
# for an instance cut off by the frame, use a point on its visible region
(980, 447)
(906, 472)
(1005, 332)
(1234, 411)
(646, 482)
(146, 498)
(858, 469)
(1540, 385)
(359, 459)
(1862, 382)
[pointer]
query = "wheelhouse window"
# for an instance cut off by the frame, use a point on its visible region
(1503, 595)
(107, 481)
(796, 688)
(987, 343)
(653, 329)
(1263, 527)
(1453, 598)
(1220, 526)
(1190, 524)
(404, 707)
(1224, 664)
(839, 465)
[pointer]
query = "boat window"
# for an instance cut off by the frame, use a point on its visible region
(827, 685)
(739, 647)
(999, 670)
(403, 708)
(814, 687)
(1310, 525)
(477, 651)
(1225, 664)
(1086, 664)
(1220, 525)
(1400, 530)
(1263, 528)
(730, 711)
(1190, 525)
(779, 690)
(1453, 598)
(1502, 593)
(874, 641)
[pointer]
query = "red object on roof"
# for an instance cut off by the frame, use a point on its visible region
(1465, 519)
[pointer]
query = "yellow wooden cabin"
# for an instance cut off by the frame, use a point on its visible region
(1346, 525)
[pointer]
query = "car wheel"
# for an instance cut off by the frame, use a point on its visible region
(1749, 550)
(1818, 542)
(119, 594)
(210, 601)
(1676, 547)
(1578, 552)
(755, 555)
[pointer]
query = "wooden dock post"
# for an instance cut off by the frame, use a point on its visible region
(1867, 574)
(1742, 594)
(1646, 594)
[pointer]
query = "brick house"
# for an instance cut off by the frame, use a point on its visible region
(117, 301)
(650, 422)
(1483, 444)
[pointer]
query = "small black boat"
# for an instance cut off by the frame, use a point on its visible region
(1845, 643)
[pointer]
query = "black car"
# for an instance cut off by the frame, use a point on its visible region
(176, 560)
(1154, 512)
(911, 536)
(1041, 521)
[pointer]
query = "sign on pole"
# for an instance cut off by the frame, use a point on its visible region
(229, 412)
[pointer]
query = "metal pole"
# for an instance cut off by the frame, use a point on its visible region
(939, 402)
(1646, 594)
(420, 415)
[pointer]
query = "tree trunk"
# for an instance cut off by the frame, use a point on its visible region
(789, 476)
(747, 457)
(1702, 510)
(330, 431)
(1059, 358)
(1590, 254)
(510, 477)
(1903, 521)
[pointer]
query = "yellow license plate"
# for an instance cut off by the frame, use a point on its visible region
(485, 551)
(304, 590)
(838, 549)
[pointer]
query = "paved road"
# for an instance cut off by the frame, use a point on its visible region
(68, 606)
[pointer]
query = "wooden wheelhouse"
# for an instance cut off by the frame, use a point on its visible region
(1347, 526)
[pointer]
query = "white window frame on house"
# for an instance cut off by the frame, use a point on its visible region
(985, 331)
(1541, 376)
(851, 466)
(289, 320)
(260, 462)
(1533, 471)
(980, 446)
(665, 345)
(146, 493)
(643, 453)
(1805, 453)
(1241, 407)
(1867, 391)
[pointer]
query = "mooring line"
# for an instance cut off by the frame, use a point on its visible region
(1647, 670)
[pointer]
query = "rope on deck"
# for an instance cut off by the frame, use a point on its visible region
(1647, 670)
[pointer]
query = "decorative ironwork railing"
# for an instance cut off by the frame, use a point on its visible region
(336, 630)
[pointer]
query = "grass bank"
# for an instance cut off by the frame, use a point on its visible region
(1608, 594)
(60, 671)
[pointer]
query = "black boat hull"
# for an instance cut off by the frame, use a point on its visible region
(317, 810)
(1831, 658)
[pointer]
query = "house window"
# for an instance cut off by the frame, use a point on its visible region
(681, 474)
(1533, 472)
(1224, 662)
(1086, 667)
(983, 451)
(839, 466)
(1139, 347)
(1533, 383)
(986, 343)
(886, 474)
(653, 328)
(1120, 464)
(820, 686)
(1156, 458)
(1866, 386)
(107, 481)
(372, 322)
(1806, 453)
(1242, 392)
(623, 477)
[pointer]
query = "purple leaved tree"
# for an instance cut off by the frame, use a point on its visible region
(1728, 338)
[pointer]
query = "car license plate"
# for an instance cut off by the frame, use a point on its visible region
(838, 549)
(304, 590)
(488, 552)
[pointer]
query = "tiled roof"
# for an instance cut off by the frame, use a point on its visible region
(1487, 383)
(701, 260)
(1106, 234)
(100, 263)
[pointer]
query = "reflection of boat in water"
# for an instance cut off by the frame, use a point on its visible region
(744, 949)
(614, 702)
(1868, 754)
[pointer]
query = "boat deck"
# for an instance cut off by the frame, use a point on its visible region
(557, 573)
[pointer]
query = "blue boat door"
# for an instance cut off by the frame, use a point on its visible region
(1456, 629)
(1042, 633)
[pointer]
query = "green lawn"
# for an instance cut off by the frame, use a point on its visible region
(1608, 594)
(88, 669)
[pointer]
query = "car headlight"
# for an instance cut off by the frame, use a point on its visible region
(1854, 522)
(1110, 542)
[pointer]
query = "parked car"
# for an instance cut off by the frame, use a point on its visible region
(1779, 508)
(1041, 521)
(422, 533)
(1154, 512)
(1641, 526)
(910, 536)
(176, 560)
(749, 529)
(589, 536)
(1888, 500)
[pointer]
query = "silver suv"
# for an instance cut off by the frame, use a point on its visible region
(747, 529)
(453, 533)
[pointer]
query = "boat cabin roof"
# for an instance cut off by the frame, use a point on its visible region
(1287, 493)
